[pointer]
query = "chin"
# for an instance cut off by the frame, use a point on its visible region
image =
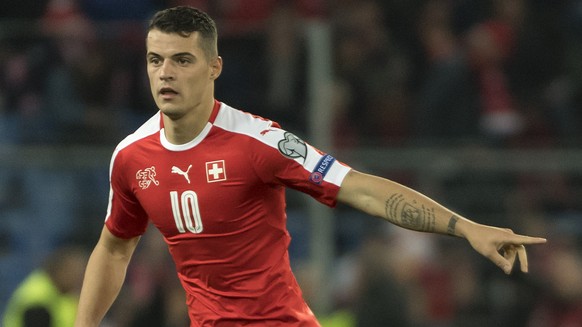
(171, 112)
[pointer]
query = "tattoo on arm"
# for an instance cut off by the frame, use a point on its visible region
(409, 215)
(451, 229)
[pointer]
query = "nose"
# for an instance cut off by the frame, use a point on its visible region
(166, 70)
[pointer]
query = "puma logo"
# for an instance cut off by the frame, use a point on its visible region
(265, 131)
(176, 170)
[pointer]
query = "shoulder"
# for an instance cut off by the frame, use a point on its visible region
(241, 122)
(150, 127)
(262, 131)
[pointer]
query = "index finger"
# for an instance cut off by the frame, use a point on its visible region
(524, 239)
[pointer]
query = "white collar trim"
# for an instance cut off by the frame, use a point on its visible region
(186, 146)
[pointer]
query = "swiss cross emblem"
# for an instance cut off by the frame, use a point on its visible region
(215, 171)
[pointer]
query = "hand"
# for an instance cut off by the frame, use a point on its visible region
(501, 245)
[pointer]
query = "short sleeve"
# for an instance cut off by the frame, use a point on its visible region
(283, 158)
(126, 218)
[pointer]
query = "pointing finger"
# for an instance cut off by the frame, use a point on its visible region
(525, 240)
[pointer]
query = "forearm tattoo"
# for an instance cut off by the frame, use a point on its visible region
(451, 229)
(409, 215)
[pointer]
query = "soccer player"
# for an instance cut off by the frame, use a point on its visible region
(212, 179)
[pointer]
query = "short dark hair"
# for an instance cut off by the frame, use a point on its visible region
(184, 21)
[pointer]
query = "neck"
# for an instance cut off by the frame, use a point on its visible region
(183, 129)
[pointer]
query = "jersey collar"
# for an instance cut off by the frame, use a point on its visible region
(186, 146)
(214, 111)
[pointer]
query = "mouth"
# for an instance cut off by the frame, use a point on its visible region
(168, 92)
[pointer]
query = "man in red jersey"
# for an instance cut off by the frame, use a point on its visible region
(212, 178)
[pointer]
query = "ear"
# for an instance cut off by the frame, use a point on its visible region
(215, 67)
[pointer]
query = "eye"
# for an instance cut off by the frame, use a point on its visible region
(183, 61)
(154, 61)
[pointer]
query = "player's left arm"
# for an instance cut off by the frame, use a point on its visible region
(410, 209)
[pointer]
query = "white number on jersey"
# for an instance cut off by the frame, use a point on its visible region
(186, 211)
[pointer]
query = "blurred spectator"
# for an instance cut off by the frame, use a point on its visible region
(48, 296)
(81, 86)
(372, 74)
(283, 61)
(491, 44)
(446, 107)
(21, 109)
(539, 77)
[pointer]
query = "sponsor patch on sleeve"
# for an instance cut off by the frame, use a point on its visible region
(321, 169)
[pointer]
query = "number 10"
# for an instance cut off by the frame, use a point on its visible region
(188, 203)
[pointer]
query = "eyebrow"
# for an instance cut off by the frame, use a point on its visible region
(182, 54)
(179, 54)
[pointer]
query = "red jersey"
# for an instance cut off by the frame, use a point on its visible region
(219, 202)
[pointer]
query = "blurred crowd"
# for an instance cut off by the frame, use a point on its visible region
(501, 72)
(493, 73)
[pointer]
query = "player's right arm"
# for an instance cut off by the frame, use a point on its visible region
(104, 277)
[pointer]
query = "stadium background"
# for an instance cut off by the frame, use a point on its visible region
(475, 103)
